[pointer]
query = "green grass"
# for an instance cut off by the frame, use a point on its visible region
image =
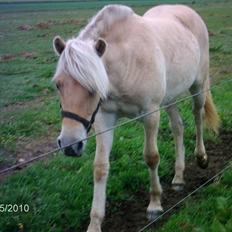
(59, 189)
(210, 211)
(62, 5)
(43, 5)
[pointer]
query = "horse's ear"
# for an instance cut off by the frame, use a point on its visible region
(58, 45)
(100, 47)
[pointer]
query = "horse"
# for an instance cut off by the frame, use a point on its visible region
(122, 64)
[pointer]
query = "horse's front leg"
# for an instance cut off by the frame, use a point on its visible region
(101, 169)
(151, 156)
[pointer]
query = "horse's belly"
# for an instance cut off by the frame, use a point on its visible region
(182, 71)
(178, 85)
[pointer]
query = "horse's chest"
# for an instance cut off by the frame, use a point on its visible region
(121, 108)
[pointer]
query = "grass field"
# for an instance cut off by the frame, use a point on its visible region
(212, 212)
(67, 5)
(59, 189)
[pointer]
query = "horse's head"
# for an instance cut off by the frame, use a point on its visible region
(81, 81)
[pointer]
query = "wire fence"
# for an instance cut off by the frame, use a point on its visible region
(183, 103)
(183, 99)
(186, 197)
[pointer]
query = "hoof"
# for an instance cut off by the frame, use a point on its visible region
(152, 215)
(202, 162)
(178, 187)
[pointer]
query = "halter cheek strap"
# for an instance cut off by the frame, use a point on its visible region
(87, 124)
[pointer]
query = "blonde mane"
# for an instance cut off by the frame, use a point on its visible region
(79, 58)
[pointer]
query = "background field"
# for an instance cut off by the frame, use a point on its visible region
(59, 189)
(62, 5)
(43, 5)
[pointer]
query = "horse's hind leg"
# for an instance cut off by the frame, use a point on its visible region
(151, 156)
(178, 133)
(198, 111)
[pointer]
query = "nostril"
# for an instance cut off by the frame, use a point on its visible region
(79, 146)
(59, 142)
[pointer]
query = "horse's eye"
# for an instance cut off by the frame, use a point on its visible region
(92, 94)
(57, 86)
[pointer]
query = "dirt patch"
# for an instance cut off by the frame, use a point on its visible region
(26, 55)
(68, 21)
(74, 21)
(43, 25)
(226, 70)
(36, 147)
(26, 150)
(49, 23)
(25, 27)
(211, 33)
(12, 107)
(29, 55)
(8, 57)
(26, 147)
(131, 215)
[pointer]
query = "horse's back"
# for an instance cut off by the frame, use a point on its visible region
(184, 15)
(180, 27)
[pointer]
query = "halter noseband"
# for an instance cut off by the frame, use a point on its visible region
(87, 124)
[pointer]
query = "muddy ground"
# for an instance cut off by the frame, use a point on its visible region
(131, 216)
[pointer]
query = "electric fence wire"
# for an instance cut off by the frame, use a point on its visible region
(19, 165)
(186, 197)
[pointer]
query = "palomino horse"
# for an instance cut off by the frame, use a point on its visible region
(122, 64)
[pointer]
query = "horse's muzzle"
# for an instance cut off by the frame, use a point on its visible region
(74, 150)
(69, 151)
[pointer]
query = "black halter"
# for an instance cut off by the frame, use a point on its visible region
(87, 124)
